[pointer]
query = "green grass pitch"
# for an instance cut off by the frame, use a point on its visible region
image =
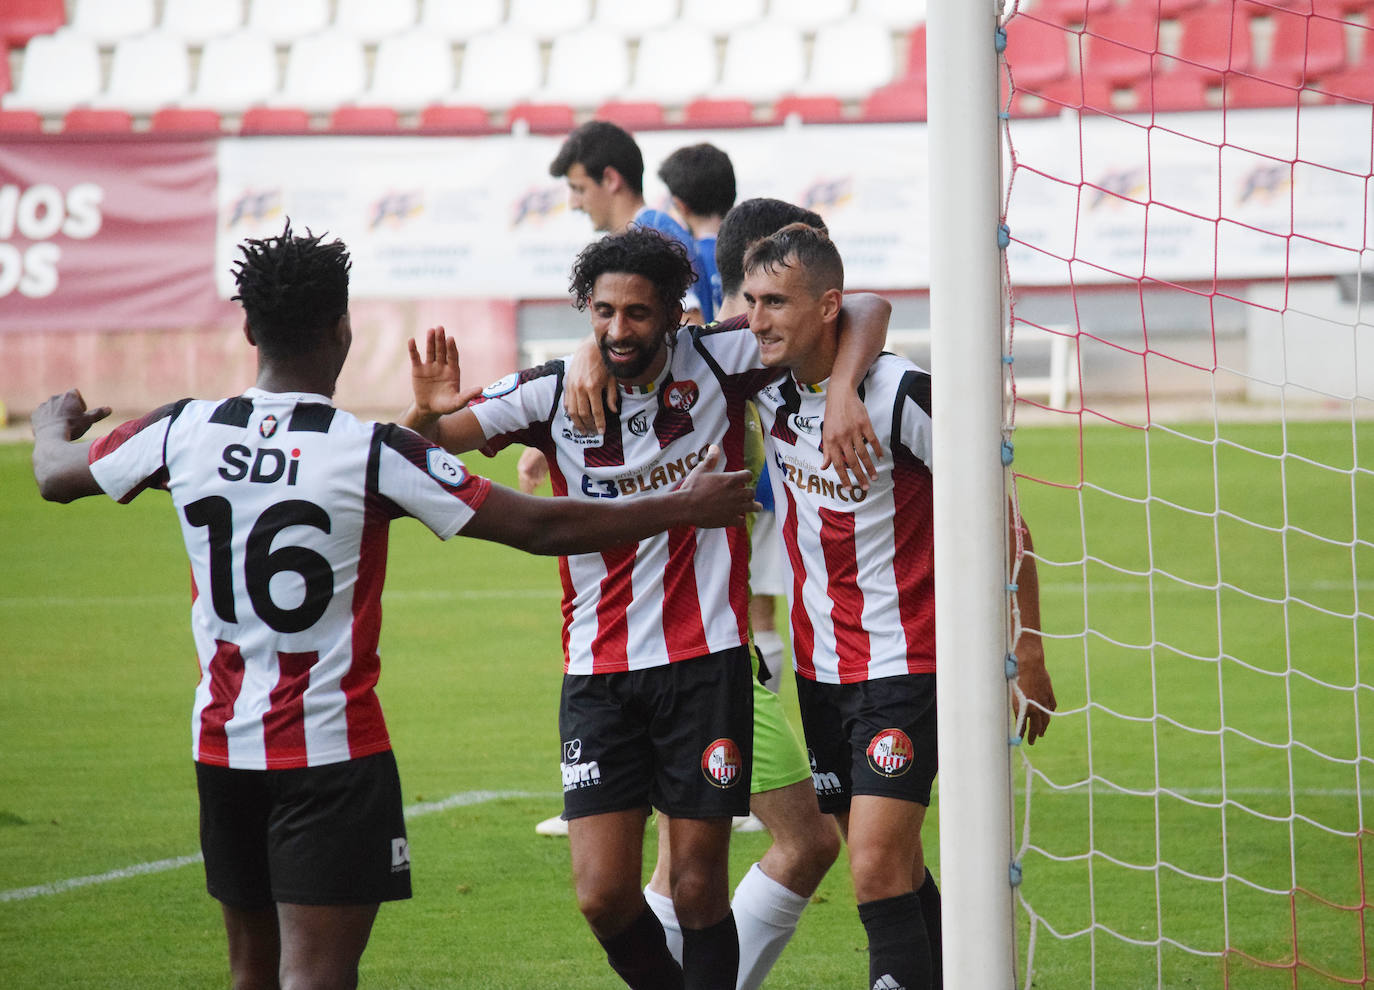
(1144, 588)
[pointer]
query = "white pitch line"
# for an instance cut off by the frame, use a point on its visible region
(163, 865)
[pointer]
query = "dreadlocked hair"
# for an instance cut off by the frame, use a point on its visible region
(636, 251)
(292, 288)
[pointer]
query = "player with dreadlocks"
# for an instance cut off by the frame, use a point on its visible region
(284, 502)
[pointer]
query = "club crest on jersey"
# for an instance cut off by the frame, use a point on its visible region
(722, 763)
(890, 753)
(682, 396)
(639, 423)
(502, 387)
(445, 467)
(268, 426)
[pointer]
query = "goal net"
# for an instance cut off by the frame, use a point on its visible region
(1189, 260)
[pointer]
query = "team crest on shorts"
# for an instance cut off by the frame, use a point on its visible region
(722, 763)
(890, 753)
(268, 426)
(681, 396)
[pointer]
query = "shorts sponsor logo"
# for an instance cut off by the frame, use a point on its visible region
(268, 426)
(400, 855)
(639, 423)
(502, 387)
(722, 763)
(445, 467)
(824, 781)
(890, 753)
(681, 396)
(887, 982)
(577, 774)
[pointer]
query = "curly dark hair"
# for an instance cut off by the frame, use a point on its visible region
(292, 288)
(597, 144)
(702, 176)
(636, 251)
(748, 222)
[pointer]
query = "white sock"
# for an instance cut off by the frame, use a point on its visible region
(766, 915)
(663, 907)
(770, 645)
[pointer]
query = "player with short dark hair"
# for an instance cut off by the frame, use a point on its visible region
(862, 599)
(285, 503)
(701, 181)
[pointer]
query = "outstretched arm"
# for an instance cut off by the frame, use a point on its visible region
(706, 499)
(438, 412)
(847, 435)
(1032, 679)
(60, 466)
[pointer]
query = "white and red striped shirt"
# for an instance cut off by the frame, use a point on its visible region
(285, 504)
(862, 594)
(674, 596)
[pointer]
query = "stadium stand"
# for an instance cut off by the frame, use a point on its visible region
(21, 122)
(633, 18)
(1182, 89)
(1037, 51)
(185, 120)
(808, 15)
(323, 71)
(236, 71)
(91, 120)
(547, 19)
(809, 109)
(1118, 46)
(1216, 39)
(22, 20)
(147, 72)
(274, 120)
(459, 20)
(196, 21)
(442, 118)
(586, 67)
(704, 112)
(721, 16)
(849, 59)
(110, 21)
(1304, 47)
(762, 62)
(674, 65)
(898, 15)
(632, 115)
(364, 120)
(411, 71)
(904, 99)
(547, 118)
(285, 22)
(370, 21)
(499, 68)
(61, 71)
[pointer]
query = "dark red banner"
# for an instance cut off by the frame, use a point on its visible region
(107, 234)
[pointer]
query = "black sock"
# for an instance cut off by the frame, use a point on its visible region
(898, 951)
(710, 956)
(640, 955)
(929, 896)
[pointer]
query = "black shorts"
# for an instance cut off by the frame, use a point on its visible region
(679, 737)
(333, 834)
(873, 737)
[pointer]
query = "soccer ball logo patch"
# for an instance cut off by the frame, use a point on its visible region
(681, 396)
(722, 763)
(890, 753)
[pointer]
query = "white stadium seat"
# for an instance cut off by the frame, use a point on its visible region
(236, 71)
(459, 20)
(196, 21)
(499, 68)
(410, 71)
(850, 59)
(634, 17)
(586, 67)
(548, 18)
(61, 70)
(147, 73)
(286, 20)
(674, 64)
(808, 14)
(762, 62)
(898, 15)
(107, 21)
(322, 72)
(370, 20)
(721, 16)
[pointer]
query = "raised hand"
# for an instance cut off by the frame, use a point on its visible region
(68, 413)
(436, 379)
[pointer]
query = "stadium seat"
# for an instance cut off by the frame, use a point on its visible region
(1119, 46)
(1068, 11)
(1169, 92)
(323, 71)
(849, 59)
(5, 82)
(1037, 51)
(499, 68)
(586, 68)
(449, 118)
(1164, 9)
(21, 122)
(633, 115)
(147, 73)
(108, 21)
(547, 118)
(721, 17)
(1240, 92)
(1303, 47)
(762, 62)
(274, 120)
(458, 20)
(718, 113)
(236, 71)
(634, 17)
(903, 100)
(808, 15)
(809, 109)
(546, 19)
(673, 65)
(1215, 39)
(196, 21)
(60, 71)
(1073, 92)
(411, 71)
(285, 22)
(898, 15)
(186, 120)
(915, 65)
(370, 21)
(90, 120)
(21, 20)
(1355, 84)
(365, 120)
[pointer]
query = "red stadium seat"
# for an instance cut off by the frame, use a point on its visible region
(809, 109)
(1182, 89)
(1304, 47)
(719, 113)
(4, 69)
(915, 66)
(1074, 93)
(89, 120)
(185, 120)
(632, 115)
(1248, 91)
(1216, 39)
(900, 101)
(444, 118)
(543, 117)
(21, 20)
(365, 120)
(274, 120)
(1119, 46)
(1037, 50)
(1070, 11)
(1353, 85)
(1165, 10)
(20, 122)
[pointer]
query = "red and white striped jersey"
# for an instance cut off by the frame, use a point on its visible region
(862, 594)
(285, 503)
(674, 596)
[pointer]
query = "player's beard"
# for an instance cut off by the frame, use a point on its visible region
(644, 357)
